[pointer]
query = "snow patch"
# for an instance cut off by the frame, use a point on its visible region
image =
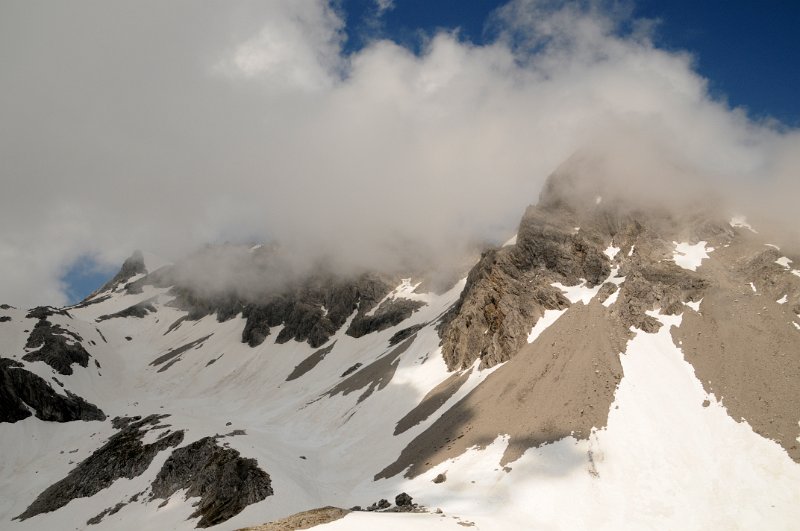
(548, 318)
(741, 221)
(611, 251)
(690, 256)
(511, 241)
(580, 292)
(694, 305)
(782, 300)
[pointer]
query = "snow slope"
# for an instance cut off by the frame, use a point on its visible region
(670, 456)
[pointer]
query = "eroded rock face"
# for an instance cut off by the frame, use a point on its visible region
(310, 309)
(138, 311)
(56, 346)
(123, 456)
(563, 240)
(224, 481)
(315, 310)
(389, 313)
(133, 266)
(21, 390)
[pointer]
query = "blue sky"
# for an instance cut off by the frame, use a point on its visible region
(747, 50)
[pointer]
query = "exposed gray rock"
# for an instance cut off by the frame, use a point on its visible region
(139, 311)
(224, 481)
(21, 390)
(91, 301)
(162, 277)
(406, 332)
(300, 309)
(43, 312)
(174, 353)
(403, 499)
(350, 370)
(388, 314)
(131, 267)
(58, 347)
(124, 455)
(106, 512)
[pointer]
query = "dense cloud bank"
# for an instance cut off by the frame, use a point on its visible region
(165, 126)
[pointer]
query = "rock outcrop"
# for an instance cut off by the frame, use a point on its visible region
(224, 481)
(22, 391)
(123, 456)
(56, 346)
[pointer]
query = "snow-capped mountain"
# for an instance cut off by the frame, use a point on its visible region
(608, 368)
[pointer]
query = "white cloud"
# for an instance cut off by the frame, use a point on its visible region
(384, 5)
(163, 127)
(298, 45)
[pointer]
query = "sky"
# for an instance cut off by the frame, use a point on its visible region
(373, 131)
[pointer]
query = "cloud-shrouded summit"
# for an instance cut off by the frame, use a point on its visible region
(167, 126)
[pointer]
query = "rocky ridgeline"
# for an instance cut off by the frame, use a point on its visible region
(562, 239)
(310, 308)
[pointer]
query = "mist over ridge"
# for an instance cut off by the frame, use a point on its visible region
(216, 123)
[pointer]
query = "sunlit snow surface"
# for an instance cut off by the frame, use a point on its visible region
(580, 292)
(694, 305)
(784, 262)
(611, 252)
(511, 241)
(549, 317)
(663, 461)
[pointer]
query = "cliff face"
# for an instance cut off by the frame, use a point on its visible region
(573, 239)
